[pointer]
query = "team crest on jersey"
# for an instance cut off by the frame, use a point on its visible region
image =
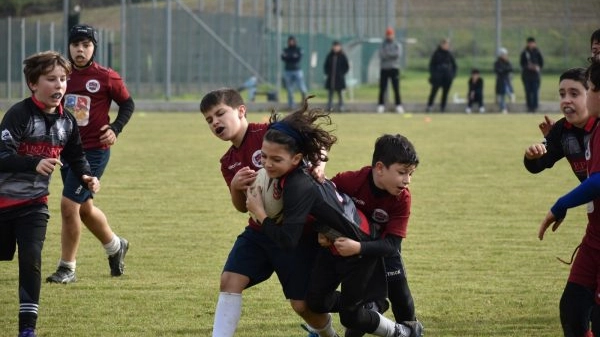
(256, 158)
(380, 216)
(92, 86)
(6, 135)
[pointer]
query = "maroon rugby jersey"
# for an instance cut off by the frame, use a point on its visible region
(248, 154)
(390, 212)
(90, 92)
(592, 154)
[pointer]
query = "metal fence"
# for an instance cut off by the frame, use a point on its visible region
(178, 49)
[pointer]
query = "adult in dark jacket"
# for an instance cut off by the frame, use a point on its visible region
(336, 67)
(292, 74)
(532, 63)
(503, 69)
(442, 70)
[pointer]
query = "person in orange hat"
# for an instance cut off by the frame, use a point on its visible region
(389, 58)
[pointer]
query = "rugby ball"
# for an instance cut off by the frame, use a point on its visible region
(271, 195)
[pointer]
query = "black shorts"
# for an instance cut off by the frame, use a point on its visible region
(362, 279)
(27, 227)
(394, 267)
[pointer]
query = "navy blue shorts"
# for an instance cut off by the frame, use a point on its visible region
(72, 189)
(255, 255)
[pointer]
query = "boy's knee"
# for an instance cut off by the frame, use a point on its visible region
(316, 304)
(300, 307)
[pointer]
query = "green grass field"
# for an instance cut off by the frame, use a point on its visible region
(475, 265)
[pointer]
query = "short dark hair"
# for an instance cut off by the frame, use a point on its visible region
(42, 63)
(227, 96)
(530, 39)
(592, 73)
(595, 37)
(474, 71)
(394, 149)
(575, 74)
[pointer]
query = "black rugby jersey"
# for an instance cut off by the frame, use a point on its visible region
(29, 135)
(564, 141)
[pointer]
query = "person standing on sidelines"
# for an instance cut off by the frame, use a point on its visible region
(442, 70)
(91, 89)
(503, 69)
(389, 63)
(336, 67)
(532, 63)
(293, 76)
(34, 133)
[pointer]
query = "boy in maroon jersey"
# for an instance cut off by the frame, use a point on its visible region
(254, 256)
(582, 291)
(90, 91)
(381, 192)
(35, 132)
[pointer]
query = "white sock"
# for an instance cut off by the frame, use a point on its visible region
(327, 330)
(68, 264)
(227, 314)
(387, 328)
(113, 246)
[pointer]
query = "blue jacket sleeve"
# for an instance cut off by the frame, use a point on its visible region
(587, 191)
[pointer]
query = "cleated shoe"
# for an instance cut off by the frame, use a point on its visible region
(416, 328)
(116, 262)
(28, 332)
(379, 306)
(62, 275)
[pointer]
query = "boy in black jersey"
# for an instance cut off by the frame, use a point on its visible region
(34, 134)
(568, 136)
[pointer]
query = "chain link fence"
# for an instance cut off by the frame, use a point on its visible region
(179, 49)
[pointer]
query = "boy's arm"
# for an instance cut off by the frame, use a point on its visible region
(10, 160)
(587, 191)
(298, 199)
(242, 180)
(384, 247)
(123, 115)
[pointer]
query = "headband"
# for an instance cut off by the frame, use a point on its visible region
(285, 128)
